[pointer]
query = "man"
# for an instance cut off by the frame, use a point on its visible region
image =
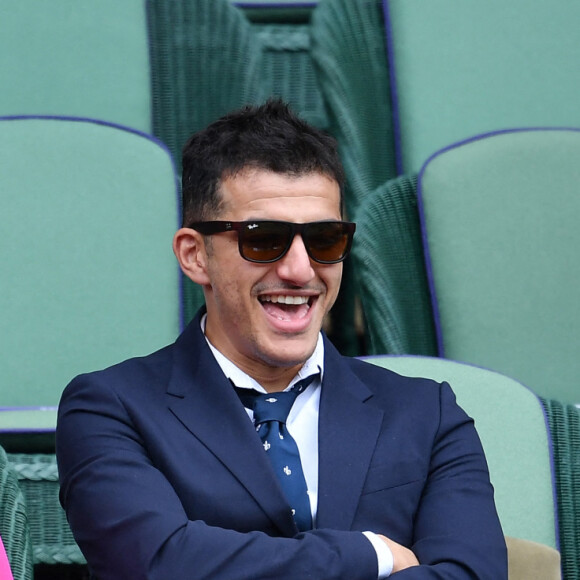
(163, 474)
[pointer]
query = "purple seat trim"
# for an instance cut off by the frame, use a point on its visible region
(16, 430)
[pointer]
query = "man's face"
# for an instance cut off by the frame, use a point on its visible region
(248, 319)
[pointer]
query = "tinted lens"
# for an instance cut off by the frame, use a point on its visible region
(265, 241)
(327, 242)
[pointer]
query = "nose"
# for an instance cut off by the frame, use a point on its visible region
(296, 267)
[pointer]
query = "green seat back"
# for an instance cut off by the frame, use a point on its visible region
(348, 48)
(287, 68)
(86, 59)
(464, 68)
(388, 260)
(51, 537)
(510, 422)
(500, 217)
(205, 61)
(88, 275)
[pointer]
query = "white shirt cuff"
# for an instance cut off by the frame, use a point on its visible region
(384, 555)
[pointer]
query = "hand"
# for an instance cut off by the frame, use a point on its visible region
(402, 557)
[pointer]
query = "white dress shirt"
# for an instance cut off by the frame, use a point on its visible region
(302, 424)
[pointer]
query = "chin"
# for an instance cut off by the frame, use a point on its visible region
(287, 355)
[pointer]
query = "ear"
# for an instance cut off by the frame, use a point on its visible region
(190, 251)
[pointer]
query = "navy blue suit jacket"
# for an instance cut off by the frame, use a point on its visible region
(163, 476)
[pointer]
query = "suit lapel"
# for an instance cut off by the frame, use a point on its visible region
(202, 398)
(348, 432)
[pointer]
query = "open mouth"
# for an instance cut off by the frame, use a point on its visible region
(286, 307)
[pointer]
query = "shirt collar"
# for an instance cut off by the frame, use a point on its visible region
(313, 365)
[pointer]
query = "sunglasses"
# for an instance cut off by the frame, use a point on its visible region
(267, 241)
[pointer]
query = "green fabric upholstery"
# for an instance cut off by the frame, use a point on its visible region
(288, 69)
(85, 59)
(52, 539)
(389, 266)
(564, 421)
(510, 421)
(14, 527)
(464, 68)
(348, 49)
(88, 215)
(208, 58)
(205, 61)
(500, 221)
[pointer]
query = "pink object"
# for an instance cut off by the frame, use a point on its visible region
(5, 572)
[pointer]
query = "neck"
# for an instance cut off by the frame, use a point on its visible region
(273, 379)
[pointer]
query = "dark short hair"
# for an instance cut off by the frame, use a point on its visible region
(269, 137)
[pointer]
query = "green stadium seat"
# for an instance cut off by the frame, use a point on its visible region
(499, 215)
(499, 232)
(349, 51)
(84, 59)
(390, 270)
(88, 212)
(465, 68)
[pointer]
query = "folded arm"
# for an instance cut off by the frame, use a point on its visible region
(456, 531)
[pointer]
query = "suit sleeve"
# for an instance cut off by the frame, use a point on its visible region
(457, 533)
(130, 523)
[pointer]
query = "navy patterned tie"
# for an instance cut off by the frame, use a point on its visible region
(270, 414)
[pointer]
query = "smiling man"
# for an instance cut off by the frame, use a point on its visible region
(266, 317)
(250, 448)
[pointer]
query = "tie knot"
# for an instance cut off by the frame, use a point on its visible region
(276, 406)
(273, 407)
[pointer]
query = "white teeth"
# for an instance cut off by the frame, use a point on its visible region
(285, 299)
